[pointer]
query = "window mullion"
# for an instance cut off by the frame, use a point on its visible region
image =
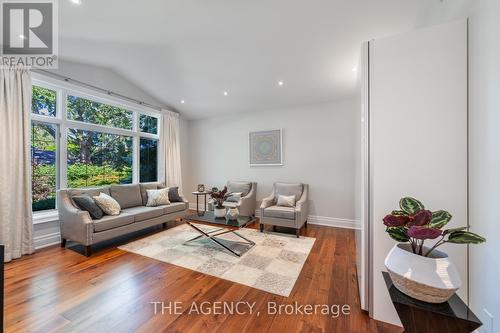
(136, 164)
(63, 142)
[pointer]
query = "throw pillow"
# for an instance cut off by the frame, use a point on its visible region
(86, 203)
(286, 200)
(108, 205)
(173, 194)
(157, 197)
(234, 197)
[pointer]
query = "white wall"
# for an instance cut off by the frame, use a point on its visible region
(104, 78)
(418, 119)
(484, 160)
(318, 149)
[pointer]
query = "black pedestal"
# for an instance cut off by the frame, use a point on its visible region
(421, 317)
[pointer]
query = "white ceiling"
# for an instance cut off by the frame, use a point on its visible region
(193, 50)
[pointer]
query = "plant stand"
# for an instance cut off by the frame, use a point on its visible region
(452, 316)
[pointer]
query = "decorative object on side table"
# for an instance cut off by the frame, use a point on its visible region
(266, 148)
(418, 271)
(201, 188)
(232, 210)
(218, 198)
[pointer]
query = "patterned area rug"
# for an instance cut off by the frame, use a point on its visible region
(273, 264)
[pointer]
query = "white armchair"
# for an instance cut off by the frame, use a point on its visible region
(292, 217)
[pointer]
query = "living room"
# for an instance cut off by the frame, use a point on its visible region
(186, 166)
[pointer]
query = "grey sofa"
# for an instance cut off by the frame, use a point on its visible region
(247, 203)
(78, 226)
(292, 217)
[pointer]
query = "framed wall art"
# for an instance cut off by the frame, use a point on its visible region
(266, 148)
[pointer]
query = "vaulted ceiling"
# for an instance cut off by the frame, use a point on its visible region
(194, 50)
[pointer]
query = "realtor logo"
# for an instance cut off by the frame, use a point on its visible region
(29, 33)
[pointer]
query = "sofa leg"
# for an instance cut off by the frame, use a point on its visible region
(164, 225)
(274, 228)
(63, 242)
(297, 232)
(261, 227)
(305, 224)
(88, 250)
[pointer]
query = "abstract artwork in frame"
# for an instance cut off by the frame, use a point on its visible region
(266, 148)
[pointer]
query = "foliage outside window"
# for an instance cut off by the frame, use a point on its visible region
(95, 155)
(43, 163)
(81, 109)
(43, 101)
(96, 159)
(149, 160)
(148, 124)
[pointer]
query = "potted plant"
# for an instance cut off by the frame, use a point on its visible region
(422, 272)
(218, 198)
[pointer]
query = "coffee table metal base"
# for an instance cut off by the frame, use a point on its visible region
(212, 235)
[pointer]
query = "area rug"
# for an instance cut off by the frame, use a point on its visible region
(273, 264)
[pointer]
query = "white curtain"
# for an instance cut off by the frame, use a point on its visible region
(16, 223)
(172, 152)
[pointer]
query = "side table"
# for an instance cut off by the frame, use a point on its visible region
(204, 194)
(452, 316)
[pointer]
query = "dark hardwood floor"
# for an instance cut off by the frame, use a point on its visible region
(60, 290)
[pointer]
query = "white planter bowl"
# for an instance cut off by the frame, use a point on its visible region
(432, 279)
(219, 212)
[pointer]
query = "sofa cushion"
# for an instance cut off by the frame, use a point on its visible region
(111, 222)
(157, 197)
(92, 191)
(144, 213)
(289, 189)
(173, 194)
(127, 195)
(175, 207)
(280, 212)
(85, 202)
(144, 187)
(239, 187)
(108, 204)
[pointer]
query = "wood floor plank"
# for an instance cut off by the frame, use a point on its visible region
(60, 290)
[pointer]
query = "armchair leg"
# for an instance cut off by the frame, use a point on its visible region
(88, 250)
(305, 224)
(274, 228)
(164, 225)
(63, 242)
(297, 232)
(261, 227)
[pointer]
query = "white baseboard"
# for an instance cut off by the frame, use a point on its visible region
(318, 220)
(46, 240)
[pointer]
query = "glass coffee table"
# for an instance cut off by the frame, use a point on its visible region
(225, 225)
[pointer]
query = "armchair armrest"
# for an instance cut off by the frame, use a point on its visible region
(247, 204)
(267, 201)
(75, 224)
(302, 207)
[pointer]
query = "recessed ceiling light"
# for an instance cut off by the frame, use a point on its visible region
(22, 36)
(225, 93)
(354, 69)
(76, 2)
(183, 101)
(280, 83)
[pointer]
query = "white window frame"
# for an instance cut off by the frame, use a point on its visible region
(63, 89)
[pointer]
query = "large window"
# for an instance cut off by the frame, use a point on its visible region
(80, 138)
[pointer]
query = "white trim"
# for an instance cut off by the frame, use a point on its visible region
(46, 240)
(45, 216)
(334, 222)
